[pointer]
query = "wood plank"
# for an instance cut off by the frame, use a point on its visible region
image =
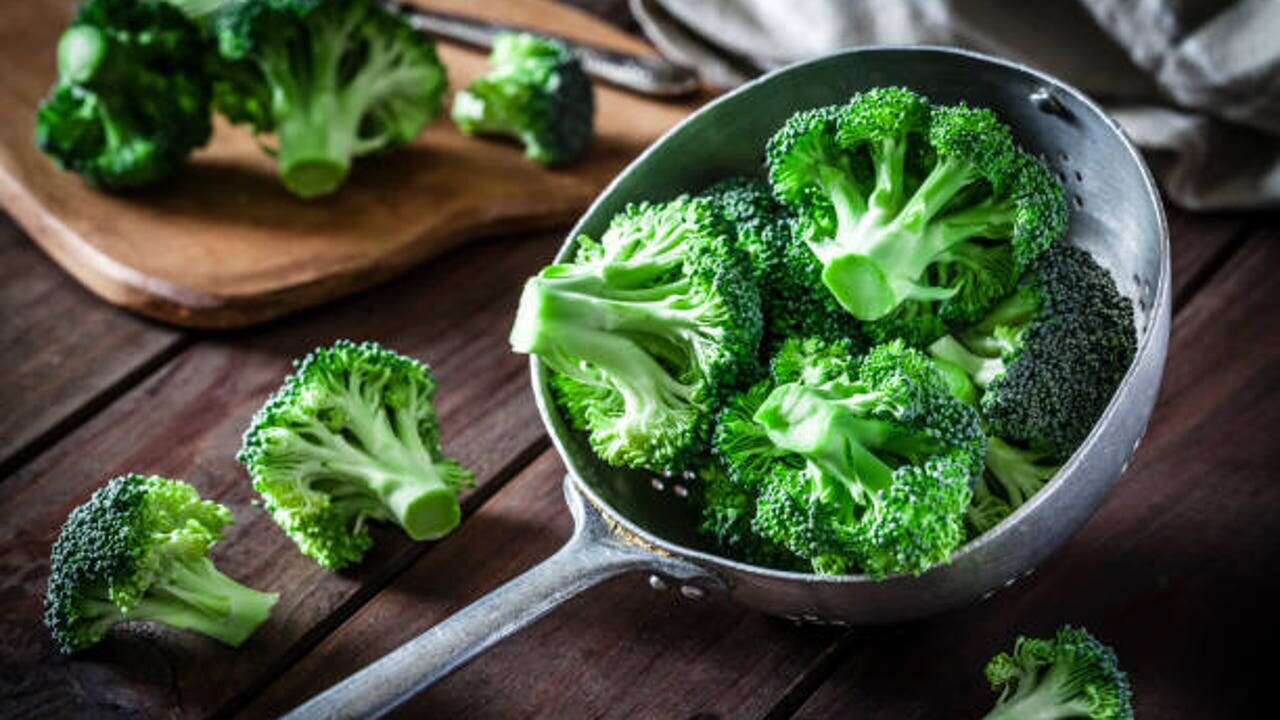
(249, 250)
(186, 421)
(62, 352)
(740, 661)
(620, 650)
(1179, 568)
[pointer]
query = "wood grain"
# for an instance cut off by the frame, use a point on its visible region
(62, 352)
(224, 244)
(1178, 570)
(618, 651)
(186, 421)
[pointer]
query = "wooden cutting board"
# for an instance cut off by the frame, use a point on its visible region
(223, 244)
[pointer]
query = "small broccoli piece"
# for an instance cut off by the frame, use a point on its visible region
(1072, 675)
(646, 330)
(536, 93)
(919, 216)
(794, 300)
(728, 510)
(1012, 476)
(1048, 358)
(332, 79)
(132, 98)
(352, 436)
(138, 550)
(862, 465)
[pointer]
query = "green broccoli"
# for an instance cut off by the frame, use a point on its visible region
(138, 550)
(794, 300)
(132, 98)
(332, 79)
(536, 93)
(1049, 357)
(920, 217)
(1072, 675)
(350, 437)
(646, 331)
(862, 465)
(728, 510)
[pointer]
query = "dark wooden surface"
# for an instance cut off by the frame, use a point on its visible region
(1178, 569)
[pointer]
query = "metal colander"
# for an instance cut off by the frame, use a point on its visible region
(627, 521)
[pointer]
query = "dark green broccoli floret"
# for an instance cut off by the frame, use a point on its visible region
(351, 437)
(793, 298)
(646, 331)
(132, 98)
(728, 510)
(1048, 358)
(537, 93)
(332, 79)
(1072, 675)
(919, 216)
(862, 465)
(138, 550)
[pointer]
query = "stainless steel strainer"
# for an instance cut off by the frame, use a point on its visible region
(628, 522)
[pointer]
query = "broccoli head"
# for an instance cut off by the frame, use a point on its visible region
(1049, 357)
(862, 465)
(351, 437)
(132, 97)
(728, 510)
(646, 331)
(1072, 675)
(920, 216)
(138, 550)
(332, 79)
(794, 300)
(536, 93)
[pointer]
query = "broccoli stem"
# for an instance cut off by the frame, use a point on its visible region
(800, 420)
(194, 595)
(982, 370)
(877, 258)
(568, 328)
(1016, 470)
(315, 149)
(1048, 698)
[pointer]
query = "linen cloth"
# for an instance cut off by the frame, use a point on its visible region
(1195, 83)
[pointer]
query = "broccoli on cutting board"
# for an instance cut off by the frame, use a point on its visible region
(333, 80)
(536, 93)
(138, 550)
(132, 97)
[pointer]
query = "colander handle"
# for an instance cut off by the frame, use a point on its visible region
(592, 555)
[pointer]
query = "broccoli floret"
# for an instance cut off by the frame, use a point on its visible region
(794, 300)
(350, 437)
(1049, 357)
(919, 216)
(728, 510)
(138, 550)
(1072, 675)
(332, 79)
(862, 465)
(132, 98)
(536, 93)
(646, 331)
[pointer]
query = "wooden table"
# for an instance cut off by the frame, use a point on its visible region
(1178, 569)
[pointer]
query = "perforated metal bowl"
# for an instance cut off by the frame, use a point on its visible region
(628, 521)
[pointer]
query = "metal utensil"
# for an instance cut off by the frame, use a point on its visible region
(647, 75)
(627, 522)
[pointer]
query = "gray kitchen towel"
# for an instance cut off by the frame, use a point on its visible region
(1195, 83)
